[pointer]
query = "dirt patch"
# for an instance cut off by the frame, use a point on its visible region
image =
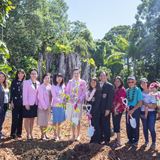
(66, 149)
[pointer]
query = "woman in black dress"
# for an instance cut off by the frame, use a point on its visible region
(17, 104)
(94, 98)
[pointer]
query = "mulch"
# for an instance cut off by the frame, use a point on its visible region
(67, 150)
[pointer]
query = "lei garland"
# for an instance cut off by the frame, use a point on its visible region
(132, 94)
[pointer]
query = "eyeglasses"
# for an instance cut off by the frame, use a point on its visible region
(131, 82)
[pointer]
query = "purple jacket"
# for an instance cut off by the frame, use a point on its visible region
(82, 89)
(43, 97)
(30, 93)
(56, 95)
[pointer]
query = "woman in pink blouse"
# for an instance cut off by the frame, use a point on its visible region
(118, 107)
(44, 105)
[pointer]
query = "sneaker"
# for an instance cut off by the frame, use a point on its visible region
(135, 144)
(78, 138)
(128, 143)
(57, 138)
(146, 144)
(153, 146)
(19, 136)
(13, 137)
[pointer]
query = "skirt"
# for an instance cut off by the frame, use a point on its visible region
(58, 114)
(32, 113)
(70, 113)
(42, 117)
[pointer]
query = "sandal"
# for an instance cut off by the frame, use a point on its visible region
(115, 139)
(117, 145)
(47, 137)
(56, 138)
(33, 138)
(44, 139)
(60, 137)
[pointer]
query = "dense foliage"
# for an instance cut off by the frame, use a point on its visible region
(37, 26)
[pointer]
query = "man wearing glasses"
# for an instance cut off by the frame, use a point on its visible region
(134, 97)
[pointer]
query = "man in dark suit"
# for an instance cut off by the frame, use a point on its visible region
(106, 104)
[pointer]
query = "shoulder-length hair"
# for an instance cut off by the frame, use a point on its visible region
(46, 74)
(98, 88)
(23, 72)
(5, 82)
(55, 77)
(120, 79)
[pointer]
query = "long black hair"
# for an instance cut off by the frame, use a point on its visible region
(98, 88)
(120, 79)
(5, 82)
(23, 72)
(55, 77)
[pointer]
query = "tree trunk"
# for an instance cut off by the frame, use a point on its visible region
(134, 67)
(62, 65)
(2, 24)
(66, 63)
(85, 72)
(40, 64)
(94, 71)
(128, 65)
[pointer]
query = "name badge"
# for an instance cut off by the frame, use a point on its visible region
(93, 99)
(104, 95)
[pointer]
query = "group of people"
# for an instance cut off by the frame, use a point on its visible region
(30, 99)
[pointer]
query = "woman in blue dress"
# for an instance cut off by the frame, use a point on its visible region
(57, 91)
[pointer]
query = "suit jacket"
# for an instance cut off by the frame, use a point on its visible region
(95, 102)
(107, 97)
(43, 97)
(56, 95)
(16, 92)
(2, 97)
(82, 89)
(30, 96)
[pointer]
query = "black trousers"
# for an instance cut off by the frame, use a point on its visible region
(105, 127)
(17, 119)
(3, 111)
(133, 134)
(96, 137)
(116, 122)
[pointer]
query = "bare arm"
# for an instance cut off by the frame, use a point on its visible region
(135, 108)
(151, 105)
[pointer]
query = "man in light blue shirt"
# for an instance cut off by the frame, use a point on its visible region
(134, 97)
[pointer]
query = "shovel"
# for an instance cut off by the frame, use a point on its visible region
(75, 119)
(133, 122)
(90, 129)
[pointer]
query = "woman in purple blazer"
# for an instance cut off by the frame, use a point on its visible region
(57, 91)
(30, 89)
(44, 105)
(72, 86)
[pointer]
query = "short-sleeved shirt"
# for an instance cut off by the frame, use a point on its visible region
(147, 98)
(137, 96)
(155, 98)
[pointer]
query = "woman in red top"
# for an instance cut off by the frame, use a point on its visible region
(118, 107)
